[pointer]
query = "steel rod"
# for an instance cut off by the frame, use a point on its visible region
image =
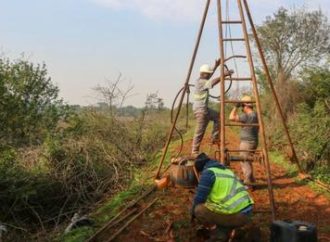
(130, 205)
(233, 151)
(238, 158)
(259, 110)
(222, 85)
(122, 218)
(232, 22)
(238, 101)
(234, 39)
(241, 125)
(240, 79)
(186, 86)
(131, 220)
(270, 82)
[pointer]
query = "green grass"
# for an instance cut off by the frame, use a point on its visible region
(277, 158)
(78, 235)
(292, 172)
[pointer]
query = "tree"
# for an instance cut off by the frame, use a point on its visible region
(112, 94)
(29, 106)
(154, 102)
(311, 124)
(293, 41)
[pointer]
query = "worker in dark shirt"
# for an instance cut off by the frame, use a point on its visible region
(221, 199)
(248, 136)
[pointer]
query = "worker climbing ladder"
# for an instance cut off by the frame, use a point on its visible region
(225, 153)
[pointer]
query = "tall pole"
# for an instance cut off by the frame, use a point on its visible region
(186, 87)
(270, 81)
(261, 123)
(222, 85)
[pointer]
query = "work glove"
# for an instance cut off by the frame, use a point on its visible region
(217, 62)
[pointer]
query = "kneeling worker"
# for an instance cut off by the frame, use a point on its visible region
(221, 199)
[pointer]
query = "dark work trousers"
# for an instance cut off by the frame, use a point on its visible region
(203, 117)
(225, 222)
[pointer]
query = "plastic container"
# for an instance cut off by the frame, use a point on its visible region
(293, 231)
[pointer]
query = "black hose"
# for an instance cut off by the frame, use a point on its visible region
(230, 85)
(185, 88)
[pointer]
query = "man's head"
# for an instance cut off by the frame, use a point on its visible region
(205, 71)
(248, 106)
(201, 161)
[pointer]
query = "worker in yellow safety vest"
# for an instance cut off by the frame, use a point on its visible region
(203, 114)
(221, 199)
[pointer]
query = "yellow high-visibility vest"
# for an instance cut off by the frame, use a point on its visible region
(228, 195)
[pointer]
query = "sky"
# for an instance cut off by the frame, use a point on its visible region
(86, 43)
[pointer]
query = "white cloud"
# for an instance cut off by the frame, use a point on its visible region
(191, 10)
(185, 10)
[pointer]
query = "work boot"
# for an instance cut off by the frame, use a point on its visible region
(248, 233)
(219, 235)
(203, 232)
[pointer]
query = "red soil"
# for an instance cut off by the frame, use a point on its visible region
(169, 219)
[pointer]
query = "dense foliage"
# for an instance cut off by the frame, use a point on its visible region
(311, 123)
(55, 160)
(30, 106)
(297, 47)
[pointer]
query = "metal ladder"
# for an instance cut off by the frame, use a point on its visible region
(224, 152)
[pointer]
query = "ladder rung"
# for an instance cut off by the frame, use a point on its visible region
(234, 39)
(240, 158)
(241, 125)
(235, 151)
(238, 101)
(239, 79)
(232, 22)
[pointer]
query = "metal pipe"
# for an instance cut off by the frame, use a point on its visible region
(222, 85)
(240, 158)
(241, 125)
(130, 205)
(236, 39)
(239, 101)
(131, 220)
(186, 85)
(231, 22)
(270, 81)
(187, 109)
(235, 151)
(259, 111)
(241, 79)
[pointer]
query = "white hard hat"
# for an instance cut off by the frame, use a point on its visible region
(205, 69)
(247, 98)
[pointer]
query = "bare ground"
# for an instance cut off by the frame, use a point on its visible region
(169, 219)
